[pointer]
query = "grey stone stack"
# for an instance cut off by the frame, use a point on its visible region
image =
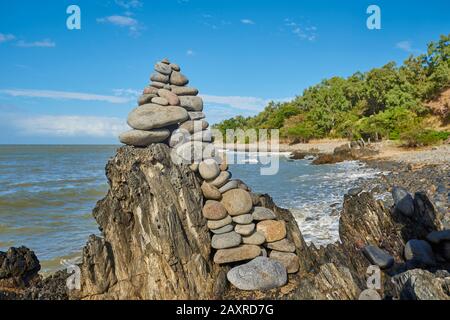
(171, 112)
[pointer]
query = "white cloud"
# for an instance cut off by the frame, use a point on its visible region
(190, 52)
(247, 21)
(406, 46)
(126, 21)
(303, 32)
(241, 103)
(6, 37)
(46, 43)
(129, 4)
(50, 94)
(121, 21)
(70, 126)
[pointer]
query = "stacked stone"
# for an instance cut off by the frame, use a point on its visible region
(241, 230)
(171, 112)
(168, 110)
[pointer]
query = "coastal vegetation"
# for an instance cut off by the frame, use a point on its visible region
(390, 102)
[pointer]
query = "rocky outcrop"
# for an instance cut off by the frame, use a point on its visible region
(156, 244)
(354, 150)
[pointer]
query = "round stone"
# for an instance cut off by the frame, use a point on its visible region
(237, 202)
(163, 68)
(257, 238)
(150, 90)
(184, 91)
(157, 85)
(436, 237)
(289, 260)
(191, 103)
(226, 240)
(243, 219)
(272, 230)
(245, 229)
(171, 98)
(261, 213)
(175, 67)
(225, 229)
(241, 253)
(209, 169)
(178, 79)
(259, 274)
(232, 184)
(153, 116)
(214, 210)
(210, 192)
(159, 77)
(140, 138)
(221, 179)
(145, 98)
(205, 136)
(160, 101)
(216, 224)
(283, 245)
(192, 151)
(194, 126)
(165, 61)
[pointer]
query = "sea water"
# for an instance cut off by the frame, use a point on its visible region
(47, 194)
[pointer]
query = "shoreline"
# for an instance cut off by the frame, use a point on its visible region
(388, 151)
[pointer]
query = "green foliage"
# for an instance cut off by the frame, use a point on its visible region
(381, 103)
(423, 137)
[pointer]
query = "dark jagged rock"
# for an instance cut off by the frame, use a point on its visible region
(404, 202)
(18, 268)
(420, 284)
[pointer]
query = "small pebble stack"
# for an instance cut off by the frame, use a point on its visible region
(170, 112)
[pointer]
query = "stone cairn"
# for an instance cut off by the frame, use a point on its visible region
(171, 112)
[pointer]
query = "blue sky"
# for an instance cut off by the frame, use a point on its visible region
(62, 86)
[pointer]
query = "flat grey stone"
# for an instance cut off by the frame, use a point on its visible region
(140, 138)
(257, 238)
(157, 84)
(194, 126)
(283, 245)
(205, 136)
(184, 91)
(243, 219)
(378, 256)
(230, 185)
(259, 274)
(225, 229)
(290, 260)
(261, 213)
(226, 240)
(216, 224)
(245, 229)
(153, 116)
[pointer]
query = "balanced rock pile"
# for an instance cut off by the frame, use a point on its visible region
(170, 112)
(166, 105)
